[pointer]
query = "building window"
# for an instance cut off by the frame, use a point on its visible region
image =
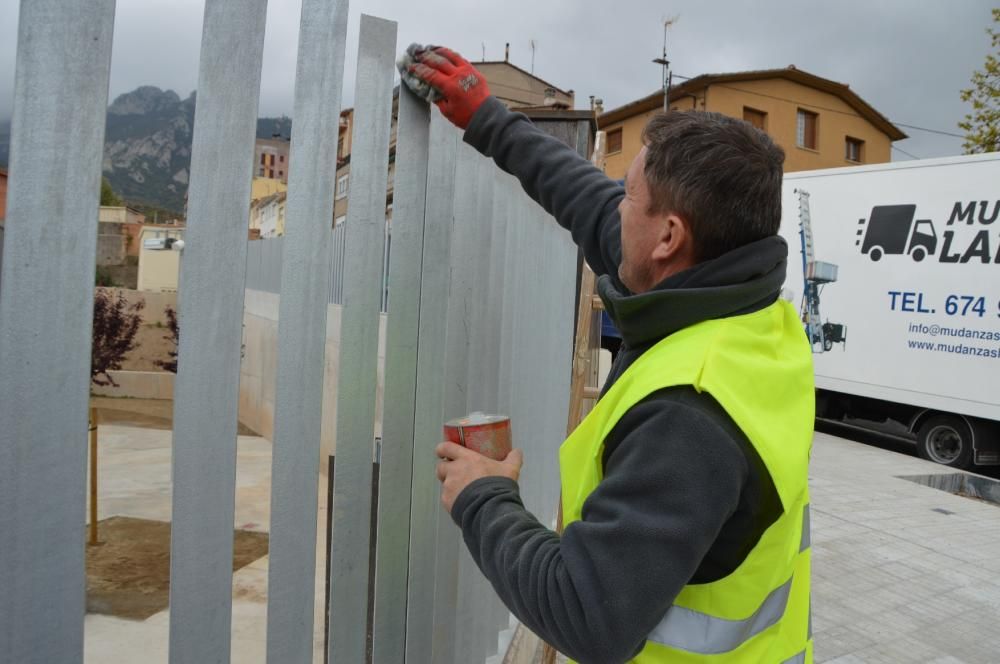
(614, 141)
(281, 174)
(805, 130)
(262, 171)
(853, 149)
(281, 158)
(263, 158)
(342, 183)
(755, 117)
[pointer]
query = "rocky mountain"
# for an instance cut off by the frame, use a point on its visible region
(147, 149)
(147, 146)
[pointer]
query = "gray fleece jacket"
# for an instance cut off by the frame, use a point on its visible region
(684, 497)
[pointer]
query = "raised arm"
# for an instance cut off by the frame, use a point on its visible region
(580, 197)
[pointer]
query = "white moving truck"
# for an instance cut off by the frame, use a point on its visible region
(895, 269)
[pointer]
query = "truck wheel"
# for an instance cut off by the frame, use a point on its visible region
(875, 254)
(919, 254)
(947, 440)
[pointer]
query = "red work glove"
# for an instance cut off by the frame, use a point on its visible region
(462, 87)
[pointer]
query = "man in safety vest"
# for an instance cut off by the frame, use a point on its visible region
(684, 492)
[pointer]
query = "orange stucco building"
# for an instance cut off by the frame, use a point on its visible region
(818, 122)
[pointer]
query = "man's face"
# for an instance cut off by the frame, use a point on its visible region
(640, 230)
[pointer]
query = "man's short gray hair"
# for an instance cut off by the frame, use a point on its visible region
(720, 174)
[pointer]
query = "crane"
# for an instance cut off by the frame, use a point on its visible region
(815, 275)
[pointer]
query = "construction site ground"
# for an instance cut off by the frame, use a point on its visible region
(902, 572)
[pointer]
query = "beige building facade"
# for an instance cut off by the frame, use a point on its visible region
(263, 187)
(818, 122)
(159, 265)
(271, 215)
(518, 88)
(271, 157)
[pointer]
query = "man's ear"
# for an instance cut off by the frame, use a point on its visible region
(675, 242)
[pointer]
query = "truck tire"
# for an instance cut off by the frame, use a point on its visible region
(947, 440)
(875, 253)
(919, 254)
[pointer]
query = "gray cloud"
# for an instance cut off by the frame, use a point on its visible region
(907, 58)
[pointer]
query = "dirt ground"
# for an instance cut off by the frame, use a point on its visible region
(147, 413)
(128, 574)
(152, 343)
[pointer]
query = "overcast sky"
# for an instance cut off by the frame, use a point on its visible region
(908, 58)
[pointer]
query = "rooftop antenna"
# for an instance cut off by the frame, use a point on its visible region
(667, 74)
(533, 43)
(484, 52)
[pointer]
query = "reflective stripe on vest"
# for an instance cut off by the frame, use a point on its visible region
(701, 633)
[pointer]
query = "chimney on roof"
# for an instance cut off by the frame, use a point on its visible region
(550, 97)
(597, 106)
(506, 53)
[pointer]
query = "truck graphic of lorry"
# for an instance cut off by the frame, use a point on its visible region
(891, 230)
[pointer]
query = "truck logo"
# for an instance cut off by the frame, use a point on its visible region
(891, 230)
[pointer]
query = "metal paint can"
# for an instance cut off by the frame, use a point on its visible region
(487, 434)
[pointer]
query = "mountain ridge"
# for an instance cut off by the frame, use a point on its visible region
(147, 145)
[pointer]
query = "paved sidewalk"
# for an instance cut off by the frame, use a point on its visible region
(901, 572)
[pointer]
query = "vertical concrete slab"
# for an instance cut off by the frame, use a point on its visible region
(402, 348)
(46, 309)
(349, 548)
(211, 314)
(305, 294)
(429, 411)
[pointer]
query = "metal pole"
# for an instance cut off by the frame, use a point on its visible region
(93, 476)
(666, 70)
(666, 92)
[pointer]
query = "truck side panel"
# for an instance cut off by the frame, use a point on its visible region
(921, 332)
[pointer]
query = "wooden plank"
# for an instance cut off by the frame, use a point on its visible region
(356, 384)
(46, 309)
(581, 355)
(306, 266)
(402, 344)
(211, 316)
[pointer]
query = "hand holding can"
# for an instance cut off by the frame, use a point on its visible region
(487, 434)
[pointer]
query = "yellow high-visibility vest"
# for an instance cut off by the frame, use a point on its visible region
(758, 367)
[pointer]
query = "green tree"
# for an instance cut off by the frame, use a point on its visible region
(982, 125)
(108, 195)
